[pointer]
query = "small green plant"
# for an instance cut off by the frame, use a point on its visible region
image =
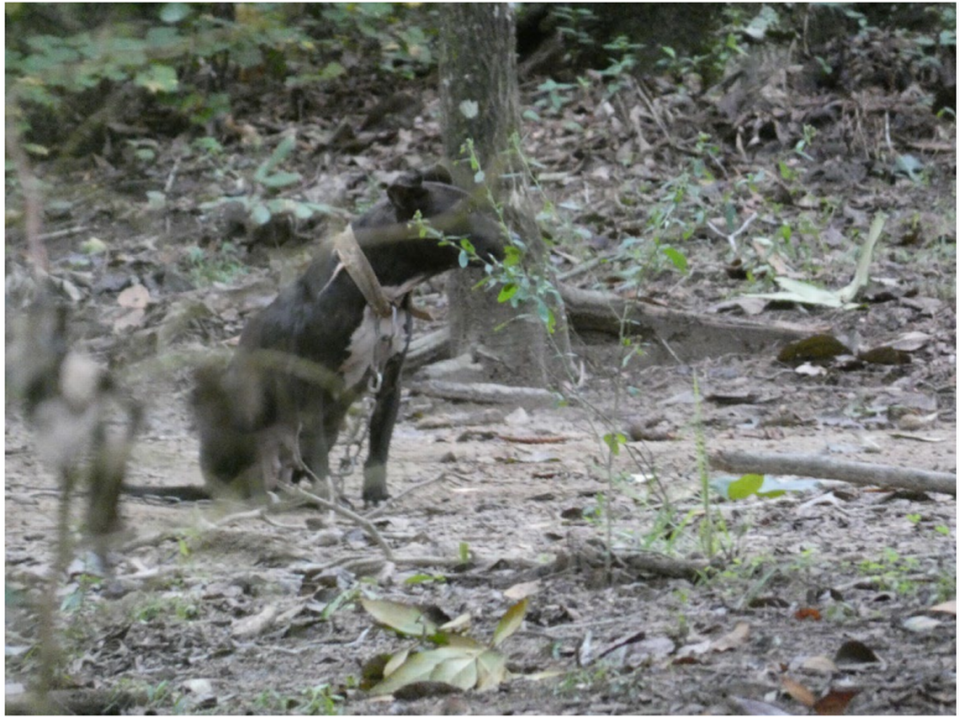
(405, 34)
(573, 24)
(223, 266)
(518, 285)
(808, 134)
(624, 60)
(713, 531)
(155, 54)
(158, 607)
(263, 204)
(724, 47)
(272, 702)
(554, 96)
(319, 700)
(893, 571)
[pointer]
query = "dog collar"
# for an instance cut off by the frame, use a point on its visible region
(361, 272)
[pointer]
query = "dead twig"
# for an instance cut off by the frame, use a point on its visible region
(343, 512)
(833, 469)
(396, 499)
(731, 238)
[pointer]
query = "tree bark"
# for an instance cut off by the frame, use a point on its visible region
(480, 101)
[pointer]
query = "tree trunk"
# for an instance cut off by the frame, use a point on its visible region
(477, 69)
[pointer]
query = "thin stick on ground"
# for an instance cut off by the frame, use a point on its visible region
(802, 464)
(343, 512)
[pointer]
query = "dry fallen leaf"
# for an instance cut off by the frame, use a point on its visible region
(853, 652)
(133, 317)
(522, 590)
(948, 607)
(134, 297)
(732, 640)
(835, 702)
(798, 692)
(255, 624)
(920, 623)
(819, 663)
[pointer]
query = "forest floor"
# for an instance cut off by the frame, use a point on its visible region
(838, 588)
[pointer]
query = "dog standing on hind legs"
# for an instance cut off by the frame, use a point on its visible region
(310, 354)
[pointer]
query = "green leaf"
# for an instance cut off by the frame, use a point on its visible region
(469, 108)
(861, 278)
(405, 619)
(745, 486)
(490, 670)
(326, 209)
(163, 37)
(531, 115)
(421, 578)
(302, 211)
(281, 152)
(158, 78)
(453, 665)
(676, 257)
(510, 622)
(280, 179)
(464, 259)
(332, 70)
(512, 257)
(733, 488)
(173, 12)
(614, 441)
(507, 292)
(260, 215)
(37, 150)
(458, 669)
(93, 245)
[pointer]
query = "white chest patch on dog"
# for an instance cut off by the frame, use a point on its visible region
(376, 339)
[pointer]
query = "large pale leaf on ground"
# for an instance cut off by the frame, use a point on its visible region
(510, 622)
(848, 293)
(802, 293)
(457, 666)
(405, 619)
(490, 670)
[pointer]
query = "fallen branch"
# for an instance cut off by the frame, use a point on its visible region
(690, 335)
(832, 469)
(486, 393)
(427, 348)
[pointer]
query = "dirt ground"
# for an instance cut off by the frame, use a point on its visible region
(867, 560)
(841, 589)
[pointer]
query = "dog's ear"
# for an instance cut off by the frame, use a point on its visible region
(437, 173)
(408, 195)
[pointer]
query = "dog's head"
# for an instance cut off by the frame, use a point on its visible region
(444, 206)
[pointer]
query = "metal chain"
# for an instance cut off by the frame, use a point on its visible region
(361, 424)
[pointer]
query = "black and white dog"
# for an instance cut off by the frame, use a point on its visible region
(304, 359)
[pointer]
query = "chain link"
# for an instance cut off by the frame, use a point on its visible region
(360, 427)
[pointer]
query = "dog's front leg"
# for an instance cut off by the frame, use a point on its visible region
(381, 431)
